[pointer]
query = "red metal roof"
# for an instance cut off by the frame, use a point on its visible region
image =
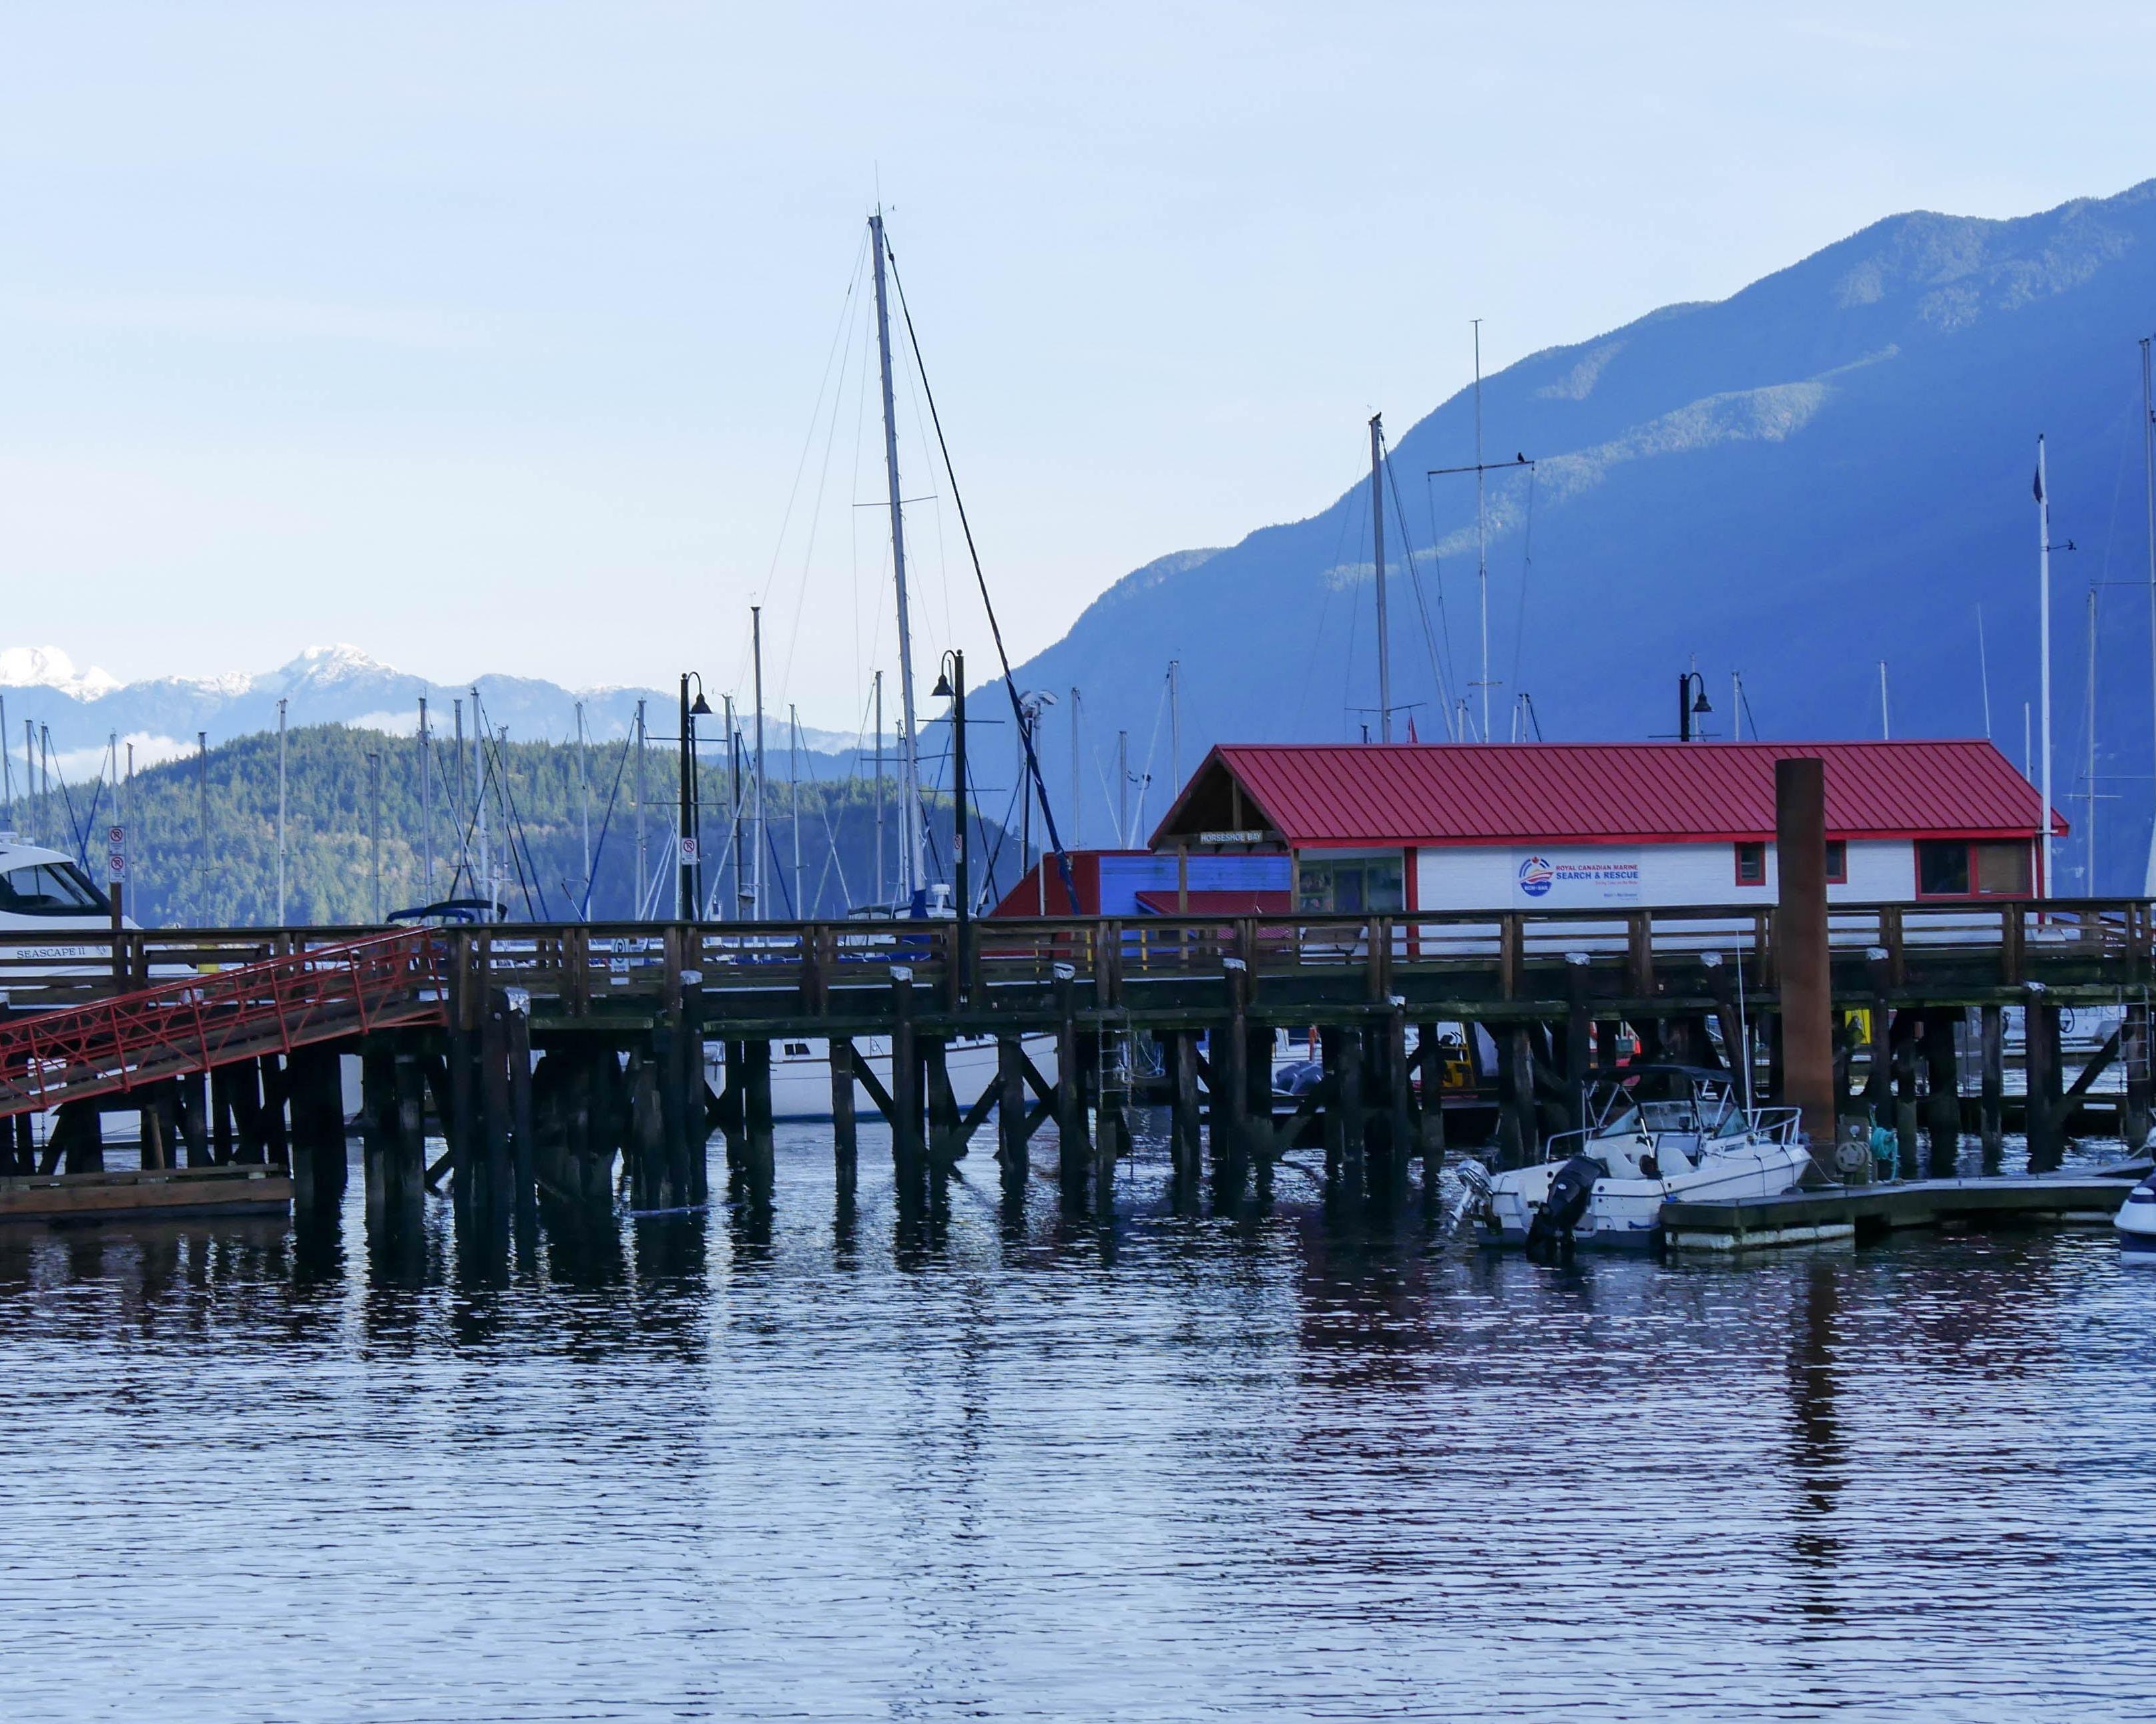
(1641, 793)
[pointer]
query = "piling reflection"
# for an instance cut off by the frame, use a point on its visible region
(1817, 1458)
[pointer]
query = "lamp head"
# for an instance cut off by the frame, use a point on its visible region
(942, 691)
(702, 708)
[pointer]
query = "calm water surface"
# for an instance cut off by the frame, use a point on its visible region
(1174, 1469)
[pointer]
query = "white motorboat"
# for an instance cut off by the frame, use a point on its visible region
(47, 903)
(2135, 1224)
(1655, 1134)
(801, 1071)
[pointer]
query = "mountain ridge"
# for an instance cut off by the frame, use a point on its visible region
(1828, 467)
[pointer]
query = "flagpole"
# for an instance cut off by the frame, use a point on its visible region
(2044, 651)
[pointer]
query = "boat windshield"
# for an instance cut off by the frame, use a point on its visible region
(50, 889)
(1659, 1101)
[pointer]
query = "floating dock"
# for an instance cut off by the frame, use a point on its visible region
(159, 1193)
(1863, 1213)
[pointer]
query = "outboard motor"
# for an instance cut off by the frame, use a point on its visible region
(1549, 1234)
(1474, 1192)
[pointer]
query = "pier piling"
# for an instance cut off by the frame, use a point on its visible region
(1943, 1080)
(1991, 1107)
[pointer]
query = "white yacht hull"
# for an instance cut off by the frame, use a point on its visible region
(801, 1072)
(1626, 1214)
(2135, 1224)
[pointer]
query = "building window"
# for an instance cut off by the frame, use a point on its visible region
(1957, 868)
(1837, 861)
(1349, 887)
(1752, 865)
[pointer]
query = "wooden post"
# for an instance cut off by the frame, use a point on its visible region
(845, 1133)
(1991, 1119)
(1011, 1110)
(524, 1195)
(647, 1163)
(467, 1146)
(223, 1143)
(756, 1115)
(1879, 1080)
(491, 1198)
(909, 1152)
(2045, 1128)
(1332, 1120)
(1073, 1153)
(193, 1118)
(1519, 1087)
(1399, 1096)
(1186, 1121)
(1942, 1071)
(1230, 1053)
(78, 1139)
(1801, 955)
(944, 1144)
(393, 1148)
(2140, 1094)
(315, 1080)
(1431, 1062)
(1905, 1094)
(1110, 1091)
(1576, 1062)
(275, 1139)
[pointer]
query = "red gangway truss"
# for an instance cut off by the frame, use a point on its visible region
(192, 1022)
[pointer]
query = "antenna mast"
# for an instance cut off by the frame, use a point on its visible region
(2149, 468)
(2044, 651)
(1482, 532)
(1378, 548)
(911, 861)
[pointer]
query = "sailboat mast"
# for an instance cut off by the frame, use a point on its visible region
(912, 860)
(2044, 652)
(2148, 471)
(1175, 722)
(878, 892)
(2088, 836)
(1378, 547)
(584, 806)
(426, 799)
(1482, 533)
(280, 814)
(1983, 672)
(479, 807)
(755, 785)
(1077, 782)
(641, 853)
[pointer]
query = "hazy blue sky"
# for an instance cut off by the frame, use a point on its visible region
(488, 337)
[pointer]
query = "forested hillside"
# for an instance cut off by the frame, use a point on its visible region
(202, 836)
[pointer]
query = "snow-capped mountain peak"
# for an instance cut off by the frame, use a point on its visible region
(47, 667)
(325, 666)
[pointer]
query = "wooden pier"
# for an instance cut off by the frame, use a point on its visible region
(544, 1054)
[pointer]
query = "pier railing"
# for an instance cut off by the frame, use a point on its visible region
(796, 970)
(196, 1020)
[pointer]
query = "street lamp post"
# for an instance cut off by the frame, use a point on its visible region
(686, 900)
(951, 686)
(1692, 698)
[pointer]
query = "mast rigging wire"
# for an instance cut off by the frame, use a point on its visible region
(1414, 580)
(995, 628)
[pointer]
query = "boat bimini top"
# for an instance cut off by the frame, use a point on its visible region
(41, 889)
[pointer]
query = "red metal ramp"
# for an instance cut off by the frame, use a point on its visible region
(191, 1023)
